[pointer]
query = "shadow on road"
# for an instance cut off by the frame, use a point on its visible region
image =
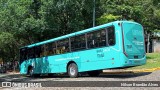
(22, 78)
(124, 75)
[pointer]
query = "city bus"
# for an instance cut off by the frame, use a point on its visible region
(118, 44)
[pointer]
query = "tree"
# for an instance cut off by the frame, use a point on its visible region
(8, 48)
(106, 18)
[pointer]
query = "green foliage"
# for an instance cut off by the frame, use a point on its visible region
(107, 18)
(6, 38)
(153, 61)
(7, 46)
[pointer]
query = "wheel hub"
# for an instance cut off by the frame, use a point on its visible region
(72, 71)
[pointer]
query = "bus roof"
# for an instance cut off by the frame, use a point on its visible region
(73, 34)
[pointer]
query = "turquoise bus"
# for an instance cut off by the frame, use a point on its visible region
(118, 44)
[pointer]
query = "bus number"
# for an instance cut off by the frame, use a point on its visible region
(100, 53)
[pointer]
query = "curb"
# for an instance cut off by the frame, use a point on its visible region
(123, 71)
(12, 73)
(146, 70)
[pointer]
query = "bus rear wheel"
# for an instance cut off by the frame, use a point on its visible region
(50, 74)
(36, 75)
(94, 73)
(72, 70)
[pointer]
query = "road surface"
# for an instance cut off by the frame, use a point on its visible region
(85, 79)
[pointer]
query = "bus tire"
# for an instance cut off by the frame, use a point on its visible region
(30, 71)
(72, 70)
(50, 74)
(36, 75)
(94, 73)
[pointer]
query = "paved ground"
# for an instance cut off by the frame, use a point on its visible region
(145, 76)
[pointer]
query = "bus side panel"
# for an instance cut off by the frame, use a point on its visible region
(24, 66)
(23, 69)
(43, 65)
(58, 63)
(53, 66)
(86, 60)
(55, 63)
(38, 65)
(49, 64)
(95, 60)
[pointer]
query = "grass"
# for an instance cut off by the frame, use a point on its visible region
(153, 61)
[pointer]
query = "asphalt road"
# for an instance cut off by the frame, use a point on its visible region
(62, 79)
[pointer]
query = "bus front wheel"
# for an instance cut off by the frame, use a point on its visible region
(72, 70)
(30, 71)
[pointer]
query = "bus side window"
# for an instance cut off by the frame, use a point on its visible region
(37, 51)
(26, 54)
(30, 53)
(102, 38)
(78, 43)
(49, 49)
(52, 48)
(96, 38)
(82, 41)
(62, 46)
(42, 51)
(46, 50)
(111, 36)
(91, 40)
(23, 55)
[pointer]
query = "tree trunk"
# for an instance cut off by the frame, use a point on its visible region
(148, 42)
